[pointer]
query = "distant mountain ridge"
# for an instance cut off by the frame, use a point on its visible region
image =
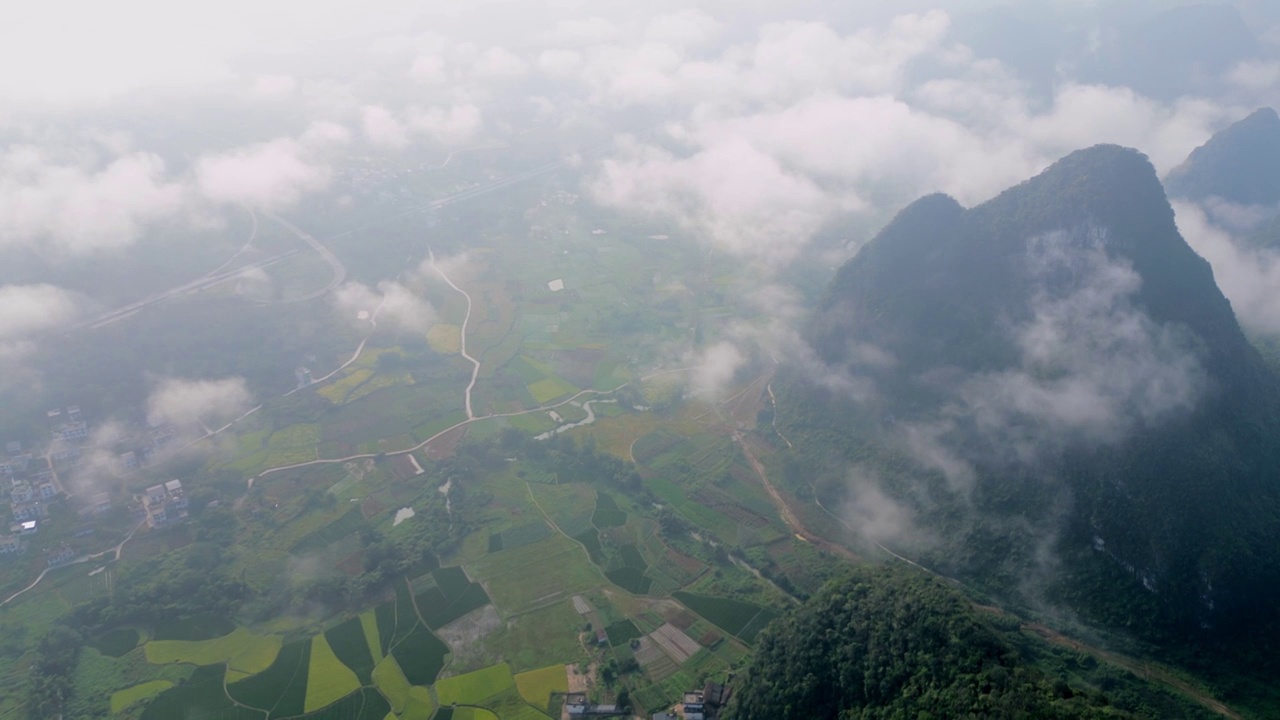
(1065, 345)
(1240, 164)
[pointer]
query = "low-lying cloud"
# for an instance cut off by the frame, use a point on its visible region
(189, 402)
(395, 306)
(78, 203)
(1247, 274)
(273, 174)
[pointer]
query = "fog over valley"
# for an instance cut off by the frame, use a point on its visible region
(527, 359)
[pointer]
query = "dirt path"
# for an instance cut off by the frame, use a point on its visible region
(82, 559)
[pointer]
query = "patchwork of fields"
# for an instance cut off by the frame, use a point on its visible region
(524, 562)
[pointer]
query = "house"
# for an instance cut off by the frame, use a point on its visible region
(129, 460)
(48, 491)
(695, 706)
(165, 503)
(176, 496)
(602, 637)
(26, 511)
(13, 447)
(21, 492)
(716, 695)
(61, 555)
(665, 716)
(73, 431)
(156, 494)
(26, 527)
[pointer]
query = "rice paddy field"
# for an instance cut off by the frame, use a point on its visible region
(486, 633)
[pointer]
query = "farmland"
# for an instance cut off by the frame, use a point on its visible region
(333, 609)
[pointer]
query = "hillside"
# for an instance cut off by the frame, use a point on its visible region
(1240, 164)
(1063, 399)
(888, 643)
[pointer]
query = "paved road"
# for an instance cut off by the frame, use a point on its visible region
(462, 334)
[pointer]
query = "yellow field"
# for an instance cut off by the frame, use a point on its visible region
(548, 389)
(420, 706)
(378, 383)
(124, 698)
(370, 624)
(445, 338)
(474, 687)
(536, 686)
(336, 391)
(242, 649)
(391, 682)
(328, 680)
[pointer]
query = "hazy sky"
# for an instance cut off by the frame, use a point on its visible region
(763, 120)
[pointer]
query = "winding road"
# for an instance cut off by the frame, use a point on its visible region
(462, 333)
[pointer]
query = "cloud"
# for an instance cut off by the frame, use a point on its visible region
(75, 204)
(429, 69)
(29, 309)
(499, 64)
(274, 85)
(858, 123)
(188, 402)
(447, 126)
(396, 305)
(321, 133)
(742, 200)
(688, 28)
(714, 368)
(381, 128)
(273, 174)
(1249, 276)
(1093, 368)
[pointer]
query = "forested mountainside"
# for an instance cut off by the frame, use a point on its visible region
(1240, 164)
(1063, 398)
(893, 643)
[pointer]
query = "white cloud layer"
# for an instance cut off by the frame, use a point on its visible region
(273, 174)
(78, 204)
(187, 402)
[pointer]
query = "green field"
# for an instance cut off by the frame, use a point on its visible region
(421, 655)
(201, 696)
(475, 687)
(281, 689)
(116, 643)
(201, 627)
(538, 573)
(453, 596)
(347, 640)
(742, 619)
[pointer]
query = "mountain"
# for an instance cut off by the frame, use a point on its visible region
(889, 643)
(1064, 405)
(1240, 164)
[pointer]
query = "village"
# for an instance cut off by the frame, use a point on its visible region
(44, 500)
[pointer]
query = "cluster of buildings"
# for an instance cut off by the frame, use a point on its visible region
(32, 486)
(578, 706)
(165, 504)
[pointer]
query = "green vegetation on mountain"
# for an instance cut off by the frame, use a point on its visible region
(1057, 375)
(1240, 164)
(891, 643)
